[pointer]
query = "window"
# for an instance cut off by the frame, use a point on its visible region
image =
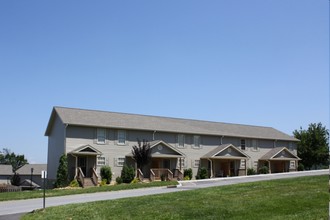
(197, 141)
(100, 161)
(121, 137)
(243, 164)
(101, 136)
(242, 144)
(196, 163)
(292, 164)
(181, 140)
(254, 144)
(181, 162)
(120, 161)
(290, 146)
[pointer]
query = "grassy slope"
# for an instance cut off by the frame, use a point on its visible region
(298, 198)
(63, 192)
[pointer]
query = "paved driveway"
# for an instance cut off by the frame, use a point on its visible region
(22, 206)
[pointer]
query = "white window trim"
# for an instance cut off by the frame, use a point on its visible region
(199, 146)
(103, 160)
(183, 163)
(124, 132)
(97, 135)
(195, 163)
(120, 161)
(292, 164)
(243, 164)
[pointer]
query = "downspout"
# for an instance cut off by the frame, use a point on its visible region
(269, 168)
(153, 135)
(211, 176)
(221, 139)
(275, 143)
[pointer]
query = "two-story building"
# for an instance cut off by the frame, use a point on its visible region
(92, 139)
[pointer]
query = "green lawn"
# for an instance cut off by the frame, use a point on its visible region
(63, 192)
(296, 198)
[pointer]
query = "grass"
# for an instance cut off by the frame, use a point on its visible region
(296, 198)
(62, 192)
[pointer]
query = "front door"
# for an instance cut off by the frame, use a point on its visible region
(166, 164)
(82, 163)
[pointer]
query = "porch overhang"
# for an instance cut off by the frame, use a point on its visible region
(161, 149)
(224, 152)
(279, 154)
(87, 150)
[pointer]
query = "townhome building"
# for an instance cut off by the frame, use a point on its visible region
(92, 139)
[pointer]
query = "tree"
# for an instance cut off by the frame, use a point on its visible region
(142, 154)
(9, 158)
(62, 172)
(313, 147)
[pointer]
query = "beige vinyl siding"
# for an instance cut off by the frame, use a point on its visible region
(78, 136)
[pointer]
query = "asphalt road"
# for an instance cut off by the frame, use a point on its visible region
(14, 209)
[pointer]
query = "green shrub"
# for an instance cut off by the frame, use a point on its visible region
(263, 170)
(106, 174)
(74, 183)
(251, 171)
(127, 174)
(301, 167)
(135, 180)
(103, 182)
(188, 172)
(119, 180)
(202, 173)
(163, 177)
(186, 178)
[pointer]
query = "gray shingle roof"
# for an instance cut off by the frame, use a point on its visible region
(273, 152)
(221, 148)
(94, 118)
(37, 168)
(6, 169)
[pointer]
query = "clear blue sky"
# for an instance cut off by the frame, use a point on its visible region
(254, 62)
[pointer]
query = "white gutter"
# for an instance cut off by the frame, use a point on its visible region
(221, 139)
(153, 135)
(211, 176)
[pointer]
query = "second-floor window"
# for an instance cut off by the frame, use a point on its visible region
(121, 137)
(101, 136)
(243, 144)
(197, 141)
(181, 140)
(255, 144)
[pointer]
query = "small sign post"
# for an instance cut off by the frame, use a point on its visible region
(44, 178)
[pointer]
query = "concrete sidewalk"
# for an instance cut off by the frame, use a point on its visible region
(24, 206)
